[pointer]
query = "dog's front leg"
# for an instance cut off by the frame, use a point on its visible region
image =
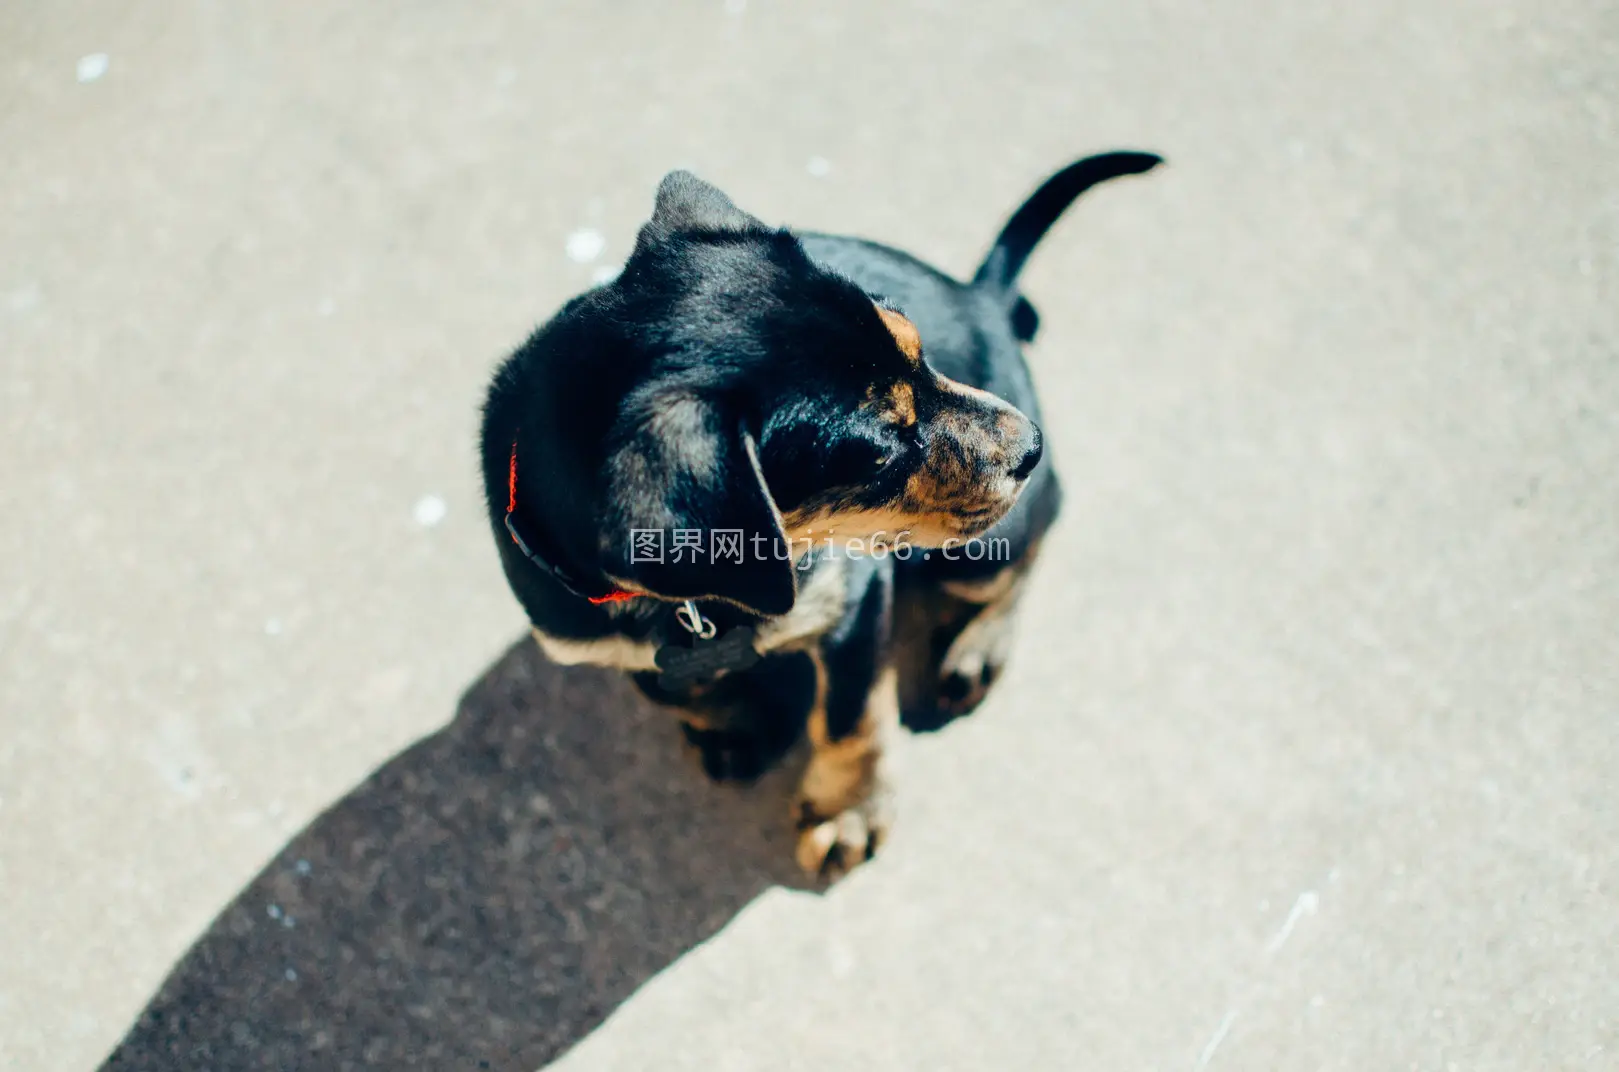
(844, 804)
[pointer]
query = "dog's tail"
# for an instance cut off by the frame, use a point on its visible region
(1034, 218)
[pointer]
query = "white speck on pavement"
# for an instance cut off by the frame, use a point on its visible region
(93, 66)
(430, 510)
(585, 245)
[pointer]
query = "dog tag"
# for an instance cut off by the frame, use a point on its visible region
(683, 667)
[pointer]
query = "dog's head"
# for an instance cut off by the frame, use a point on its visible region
(755, 393)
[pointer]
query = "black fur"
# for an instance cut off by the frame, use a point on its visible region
(734, 375)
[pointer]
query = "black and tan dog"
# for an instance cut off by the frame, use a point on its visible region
(722, 469)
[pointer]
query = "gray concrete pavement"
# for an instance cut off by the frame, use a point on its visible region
(1307, 757)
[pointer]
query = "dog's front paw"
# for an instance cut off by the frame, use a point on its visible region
(963, 688)
(833, 842)
(972, 663)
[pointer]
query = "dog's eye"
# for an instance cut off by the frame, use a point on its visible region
(856, 461)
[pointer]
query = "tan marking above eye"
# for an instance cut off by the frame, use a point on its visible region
(906, 337)
(902, 403)
(896, 404)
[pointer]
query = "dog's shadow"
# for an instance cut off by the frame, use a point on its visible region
(485, 899)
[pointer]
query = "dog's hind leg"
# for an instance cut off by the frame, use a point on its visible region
(741, 725)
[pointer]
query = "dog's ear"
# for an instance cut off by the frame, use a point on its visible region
(687, 203)
(683, 478)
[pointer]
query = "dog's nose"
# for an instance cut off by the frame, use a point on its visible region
(1031, 457)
